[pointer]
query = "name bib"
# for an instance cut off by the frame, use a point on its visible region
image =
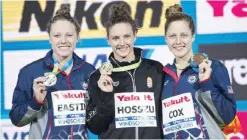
(135, 109)
(178, 113)
(69, 107)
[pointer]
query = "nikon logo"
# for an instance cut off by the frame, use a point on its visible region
(88, 10)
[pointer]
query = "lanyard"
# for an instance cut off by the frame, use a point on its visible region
(126, 68)
(65, 66)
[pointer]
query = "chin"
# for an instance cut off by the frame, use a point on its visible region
(64, 54)
(179, 54)
(123, 55)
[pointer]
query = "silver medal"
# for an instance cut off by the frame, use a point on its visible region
(106, 68)
(50, 79)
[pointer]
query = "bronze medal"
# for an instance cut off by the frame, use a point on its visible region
(198, 58)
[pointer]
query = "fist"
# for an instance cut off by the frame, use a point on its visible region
(205, 70)
(39, 89)
(105, 83)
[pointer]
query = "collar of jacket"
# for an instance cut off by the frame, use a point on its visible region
(138, 56)
(173, 66)
(77, 61)
(172, 70)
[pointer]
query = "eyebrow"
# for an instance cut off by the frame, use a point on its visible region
(123, 34)
(114, 36)
(61, 33)
(179, 33)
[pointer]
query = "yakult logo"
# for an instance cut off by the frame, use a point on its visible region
(177, 101)
(221, 16)
(75, 95)
(71, 95)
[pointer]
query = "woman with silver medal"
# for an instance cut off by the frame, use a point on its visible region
(50, 94)
(125, 92)
(197, 100)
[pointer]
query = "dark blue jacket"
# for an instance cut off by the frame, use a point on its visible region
(214, 102)
(26, 110)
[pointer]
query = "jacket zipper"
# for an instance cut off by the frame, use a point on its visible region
(70, 88)
(197, 115)
(133, 79)
(134, 89)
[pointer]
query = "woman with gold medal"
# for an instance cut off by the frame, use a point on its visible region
(125, 92)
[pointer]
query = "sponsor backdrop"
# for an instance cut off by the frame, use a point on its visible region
(221, 33)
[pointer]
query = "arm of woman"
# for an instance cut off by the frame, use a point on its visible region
(25, 106)
(100, 109)
(219, 87)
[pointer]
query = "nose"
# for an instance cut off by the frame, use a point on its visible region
(122, 42)
(178, 40)
(63, 39)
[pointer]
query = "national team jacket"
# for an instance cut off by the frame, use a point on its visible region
(27, 110)
(213, 103)
(147, 77)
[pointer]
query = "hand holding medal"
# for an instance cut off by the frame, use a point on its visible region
(40, 84)
(204, 65)
(105, 81)
(39, 89)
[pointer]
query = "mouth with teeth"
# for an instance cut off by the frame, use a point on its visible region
(65, 47)
(179, 48)
(122, 48)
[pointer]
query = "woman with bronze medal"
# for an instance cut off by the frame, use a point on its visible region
(51, 93)
(125, 92)
(197, 100)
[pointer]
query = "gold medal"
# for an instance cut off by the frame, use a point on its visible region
(106, 68)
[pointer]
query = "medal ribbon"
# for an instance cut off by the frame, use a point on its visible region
(64, 68)
(129, 67)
